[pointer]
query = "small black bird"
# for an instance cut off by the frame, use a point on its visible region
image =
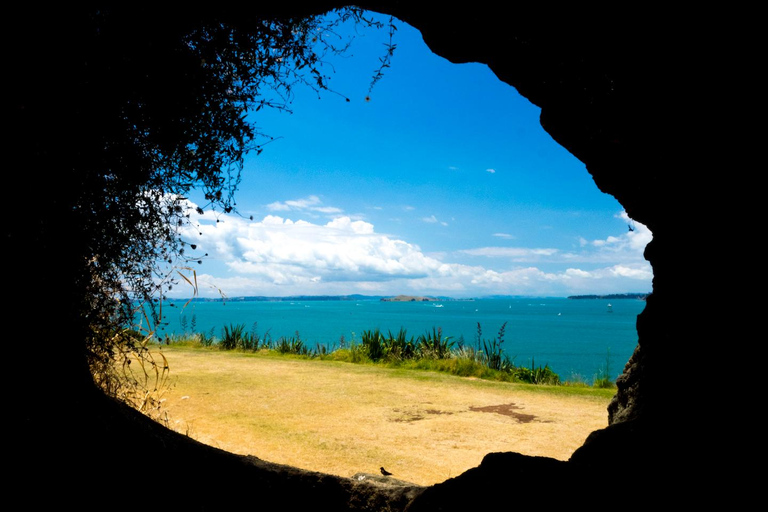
(385, 472)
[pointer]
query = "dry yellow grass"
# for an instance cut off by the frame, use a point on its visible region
(341, 418)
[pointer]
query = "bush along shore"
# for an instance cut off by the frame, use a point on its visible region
(484, 358)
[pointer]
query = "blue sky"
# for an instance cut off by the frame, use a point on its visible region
(441, 183)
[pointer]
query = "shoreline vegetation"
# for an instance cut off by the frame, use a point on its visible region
(484, 358)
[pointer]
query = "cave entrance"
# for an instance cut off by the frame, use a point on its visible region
(437, 183)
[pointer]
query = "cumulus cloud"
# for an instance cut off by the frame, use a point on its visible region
(578, 273)
(636, 272)
(633, 240)
(280, 256)
(311, 203)
(621, 277)
(492, 171)
(281, 250)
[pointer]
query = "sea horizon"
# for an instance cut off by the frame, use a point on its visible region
(356, 296)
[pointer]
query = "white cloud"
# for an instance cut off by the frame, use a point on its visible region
(616, 250)
(492, 171)
(327, 209)
(643, 272)
(304, 203)
(278, 206)
(281, 256)
(575, 272)
(311, 203)
(633, 240)
(514, 253)
(635, 276)
(281, 250)
(505, 236)
(433, 220)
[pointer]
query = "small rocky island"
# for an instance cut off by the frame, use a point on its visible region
(408, 298)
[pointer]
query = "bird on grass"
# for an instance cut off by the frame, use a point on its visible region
(385, 472)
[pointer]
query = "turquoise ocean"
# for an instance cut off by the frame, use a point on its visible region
(575, 337)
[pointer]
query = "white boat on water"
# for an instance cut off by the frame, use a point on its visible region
(610, 308)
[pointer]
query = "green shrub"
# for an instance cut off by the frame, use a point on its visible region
(430, 351)
(206, 340)
(323, 352)
(374, 344)
(491, 352)
(466, 367)
(467, 352)
(399, 346)
(358, 353)
(266, 341)
(232, 336)
(434, 345)
(292, 346)
(604, 383)
(603, 378)
(283, 345)
(535, 375)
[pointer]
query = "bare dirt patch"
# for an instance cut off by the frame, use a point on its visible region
(508, 410)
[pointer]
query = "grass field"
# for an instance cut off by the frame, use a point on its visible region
(343, 418)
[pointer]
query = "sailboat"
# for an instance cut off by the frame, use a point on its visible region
(610, 308)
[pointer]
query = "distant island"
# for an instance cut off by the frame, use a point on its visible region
(409, 298)
(613, 296)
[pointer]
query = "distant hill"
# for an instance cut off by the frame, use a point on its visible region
(613, 296)
(291, 298)
(304, 298)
